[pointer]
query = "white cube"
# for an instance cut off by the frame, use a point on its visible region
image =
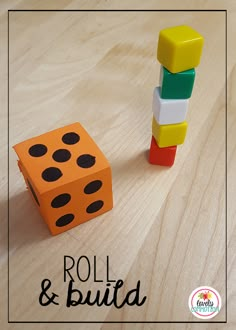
(168, 111)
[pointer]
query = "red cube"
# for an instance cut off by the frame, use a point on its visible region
(161, 156)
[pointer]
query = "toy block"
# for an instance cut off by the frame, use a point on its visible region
(161, 156)
(179, 48)
(168, 111)
(169, 135)
(176, 85)
(68, 176)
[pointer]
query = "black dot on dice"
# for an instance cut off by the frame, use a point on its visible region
(33, 192)
(37, 150)
(51, 174)
(60, 200)
(86, 161)
(92, 187)
(70, 138)
(65, 220)
(61, 155)
(94, 207)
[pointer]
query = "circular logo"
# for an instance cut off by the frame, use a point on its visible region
(204, 302)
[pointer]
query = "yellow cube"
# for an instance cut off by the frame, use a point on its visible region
(169, 135)
(179, 48)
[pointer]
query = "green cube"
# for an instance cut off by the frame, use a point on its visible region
(176, 85)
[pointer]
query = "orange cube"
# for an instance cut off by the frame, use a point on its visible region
(68, 176)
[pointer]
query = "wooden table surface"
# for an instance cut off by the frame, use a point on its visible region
(168, 226)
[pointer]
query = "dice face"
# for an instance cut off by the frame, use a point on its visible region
(176, 85)
(161, 156)
(77, 202)
(67, 175)
(169, 135)
(179, 48)
(168, 111)
(60, 156)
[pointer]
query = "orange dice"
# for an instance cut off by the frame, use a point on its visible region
(68, 176)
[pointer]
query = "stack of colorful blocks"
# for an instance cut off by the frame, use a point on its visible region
(179, 50)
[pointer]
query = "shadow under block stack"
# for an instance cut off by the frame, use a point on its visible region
(67, 175)
(179, 50)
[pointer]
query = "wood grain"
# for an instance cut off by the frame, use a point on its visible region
(167, 228)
